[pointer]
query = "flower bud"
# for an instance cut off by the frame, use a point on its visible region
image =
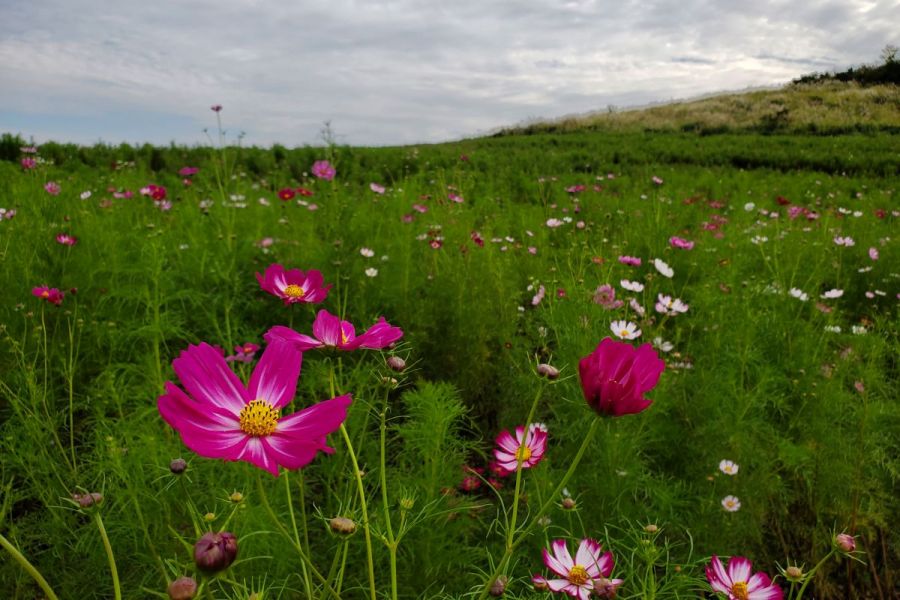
(499, 586)
(794, 574)
(651, 528)
(236, 497)
(178, 466)
(540, 584)
(568, 503)
(215, 551)
(396, 363)
(845, 542)
(548, 371)
(88, 500)
(342, 525)
(209, 517)
(183, 588)
(407, 503)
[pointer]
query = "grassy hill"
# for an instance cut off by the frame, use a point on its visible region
(827, 107)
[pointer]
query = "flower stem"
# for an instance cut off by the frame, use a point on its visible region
(809, 576)
(117, 590)
(287, 487)
(365, 512)
(520, 458)
(391, 542)
(550, 500)
(29, 568)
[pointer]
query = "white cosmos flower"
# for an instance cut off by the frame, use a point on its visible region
(664, 269)
(636, 307)
(625, 330)
(859, 330)
(729, 468)
(749, 207)
(371, 272)
(833, 328)
(662, 345)
(799, 294)
(367, 252)
(835, 293)
(86, 194)
(669, 306)
(731, 503)
(632, 286)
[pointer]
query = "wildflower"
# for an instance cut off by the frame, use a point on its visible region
(528, 448)
(669, 306)
(220, 417)
(632, 286)
(662, 345)
(395, 363)
(873, 253)
(330, 331)
(731, 503)
(656, 180)
(52, 188)
(636, 307)
(294, 286)
(286, 194)
(378, 189)
(625, 330)
(845, 542)
(476, 237)
(188, 171)
(52, 295)
(244, 353)
(455, 198)
(578, 576)
(681, 243)
(88, 500)
(631, 261)
(749, 207)
(215, 551)
(420, 208)
(664, 269)
(553, 223)
(28, 163)
(737, 582)
(323, 170)
(799, 294)
(177, 466)
(183, 588)
(7, 215)
(605, 296)
(548, 371)
(728, 467)
(616, 375)
(156, 192)
(794, 574)
(833, 328)
(498, 588)
(66, 240)
(216, 108)
(844, 241)
(538, 296)
(833, 293)
(371, 272)
(367, 252)
(436, 243)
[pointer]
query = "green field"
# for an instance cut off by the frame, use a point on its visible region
(797, 389)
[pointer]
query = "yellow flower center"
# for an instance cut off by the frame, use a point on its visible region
(739, 590)
(259, 418)
(578, 575)
(523, 453)
(45, 294)
(294, 291)
(624, 333)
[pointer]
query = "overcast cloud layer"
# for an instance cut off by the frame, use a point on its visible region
(395, 72)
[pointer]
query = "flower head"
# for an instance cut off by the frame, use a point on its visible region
(670, 306)
(215, 551)
(681, 243)
(377, 188)
(845, 542)
(625, 330)
(330, 331)
(631, 261)
(664, 269)
(731, 503)
(52, 188)
(323, 170)
(616, 375)
(528, 447)
(605, 296)
(294, 286)
(286, 194)
(220, 417)
(52, 295)
(578, 577)
(728, 467)
(737, 583)
(66, 240)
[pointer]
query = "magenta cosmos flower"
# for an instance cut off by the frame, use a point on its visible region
(588, 572)
(293, 285)
(52, 295)
(323, 170)
(330, 331)
(737, 582)
(616, 375)
(219, 417)
(511, 449)
(66, 240)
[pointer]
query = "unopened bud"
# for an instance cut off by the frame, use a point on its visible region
(215, 551)
(407, 503)
(178, 466)
(606, 588)
(845, 542)
(499, 586)
(342, 525)
(548, 371)
(183, 588)
(396, 363)
(209, 517)
(793, 573)
(651, 528)
(236, 497)
(88, 500)
(540, 583)
(568, 503)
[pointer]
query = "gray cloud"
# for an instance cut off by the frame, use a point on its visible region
(399, 71)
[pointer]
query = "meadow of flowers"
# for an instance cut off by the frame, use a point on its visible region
(580, 365)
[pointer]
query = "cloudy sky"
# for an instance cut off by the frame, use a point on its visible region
(396, 71)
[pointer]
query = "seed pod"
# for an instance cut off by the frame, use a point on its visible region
(548, 371)
(651, 528)
(178, 466)
(215, 551)
(794, 574)
(568, 503)
(499, 586)
(342, 525)
(88, 500)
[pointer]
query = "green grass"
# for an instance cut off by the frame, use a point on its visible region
(767, 387)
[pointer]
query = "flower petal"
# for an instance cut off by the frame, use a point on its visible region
(274, 379)
(208, 379)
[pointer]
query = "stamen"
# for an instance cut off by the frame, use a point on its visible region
(259, 418)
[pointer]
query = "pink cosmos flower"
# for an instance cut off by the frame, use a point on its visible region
(378, 189)
(455, 198)
(157, 192)
(216, 108)
(631, 261)
(52, 188)
(657, 180)
(293, 285)
(66, 240)
(7, 215)
(244, 353)
(52, 295)
(670, 306)
(737, 582)
(330, 331)
(220, 417)
(588, 572)
(616, 375)
(28, 163)
(421, 208)
(539, 296)
(530, 449)
(188, 171)
(681, 243)
(286, 194)
(873, 253)
(476, 237)
(844, 241)
(323, 170)
(605, 296)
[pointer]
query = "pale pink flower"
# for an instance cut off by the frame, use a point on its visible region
(731, 503)
(738, 582)
(605, 296)
(631, 261)
(578, 578)
(873, 253)
(681, 243)
(323, 170)
(66, 240)
(52, 188)
(528, 447)
(378, 189)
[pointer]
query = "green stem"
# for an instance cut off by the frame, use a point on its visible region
(287, 487)
(544, 507)
(520, 458)
(392, 544)
(365, 511)
(29, 568)
(117, 590)
(809, 576)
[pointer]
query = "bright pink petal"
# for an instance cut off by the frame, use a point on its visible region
(739, 569)
(257, 453)
(562, 554)
(300, 341)
(380, 335)
(316, 421)
(208, 379)
(554, 564)
(717, 577)
(557, 585)
(327, 328)
(274, 379)
(206, 429)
